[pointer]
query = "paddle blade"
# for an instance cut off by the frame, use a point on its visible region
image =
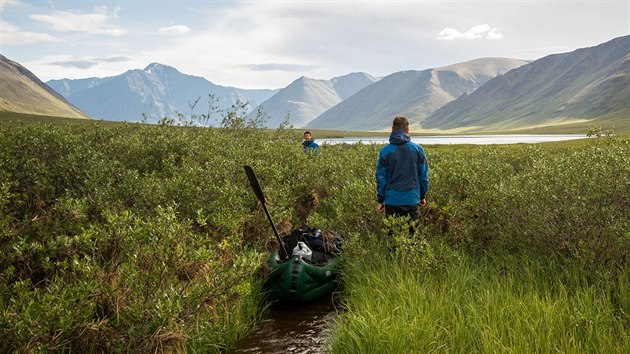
(253, 181)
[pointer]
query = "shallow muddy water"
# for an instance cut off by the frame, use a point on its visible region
(303, 329)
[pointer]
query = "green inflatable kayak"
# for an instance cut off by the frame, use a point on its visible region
(306, 267)
(310, 273)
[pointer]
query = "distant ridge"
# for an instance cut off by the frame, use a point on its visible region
(584, 84)
(306, 98)
(413, 93)
(22, 92)
(67, 87)
(157, 91)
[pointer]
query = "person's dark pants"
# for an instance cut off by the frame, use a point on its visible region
(413, 211)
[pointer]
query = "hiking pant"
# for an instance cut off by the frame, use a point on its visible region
(413, 211)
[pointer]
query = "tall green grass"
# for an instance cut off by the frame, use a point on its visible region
(471, 305)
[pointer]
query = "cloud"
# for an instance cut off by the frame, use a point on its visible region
(314, 39)
(13, 35)
(78, 64)
(94, 23)
(87, 63)
(114, 59)
(104, 10)
(7, 3)
(278, 67)
(174, 30)
(483, 31)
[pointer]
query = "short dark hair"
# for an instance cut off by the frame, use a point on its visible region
(400, 122)
(307, 132)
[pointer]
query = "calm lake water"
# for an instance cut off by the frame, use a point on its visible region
(460, 139)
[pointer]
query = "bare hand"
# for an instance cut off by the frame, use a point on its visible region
(423, 202)
(380, 207)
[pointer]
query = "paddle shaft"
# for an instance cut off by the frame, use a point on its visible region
(253, 181)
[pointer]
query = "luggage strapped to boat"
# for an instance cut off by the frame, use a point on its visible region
(324, 245)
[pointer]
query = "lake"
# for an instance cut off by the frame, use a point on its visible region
(461, 139)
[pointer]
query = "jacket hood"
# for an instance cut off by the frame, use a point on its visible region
(399, 137)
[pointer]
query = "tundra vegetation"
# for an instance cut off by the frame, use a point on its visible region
(147, 238)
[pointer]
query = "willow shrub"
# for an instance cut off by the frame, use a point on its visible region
(572, 201)
(138, 237)
(129, 238)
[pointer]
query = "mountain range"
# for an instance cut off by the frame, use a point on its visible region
(155, 92)
(586, 85)
(306, 98)
(581, 85)
(413, 93)
(356, 101)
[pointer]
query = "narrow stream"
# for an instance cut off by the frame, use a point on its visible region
(302, 329)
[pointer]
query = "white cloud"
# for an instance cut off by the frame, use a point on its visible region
(79, 64)
(278, 67)
(483, 31)
(7, 3)
(72, 66)
(173, 30)
(270, 41)
(267, 44)
(13, 35)
(84, 63)
(94, 23)
(494, 34)
(113, 59)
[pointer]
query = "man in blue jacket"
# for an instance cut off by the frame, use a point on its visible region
(309, 145)
(402, 173)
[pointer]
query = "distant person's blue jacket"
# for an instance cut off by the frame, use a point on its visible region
(310, 147)
(402, 172)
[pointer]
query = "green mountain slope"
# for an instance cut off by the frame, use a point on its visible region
(414, 93)
(23, 92)
(585, 84)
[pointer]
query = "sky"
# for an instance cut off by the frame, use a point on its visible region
(269, 44)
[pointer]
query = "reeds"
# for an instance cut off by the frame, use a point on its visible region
(473, 306)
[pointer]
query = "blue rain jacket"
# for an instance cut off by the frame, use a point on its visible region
(310, 146)
(402, 172)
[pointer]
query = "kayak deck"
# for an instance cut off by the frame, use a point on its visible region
(297, 280)
(310, 272)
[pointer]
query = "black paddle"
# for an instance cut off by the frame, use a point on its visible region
(253, 181)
